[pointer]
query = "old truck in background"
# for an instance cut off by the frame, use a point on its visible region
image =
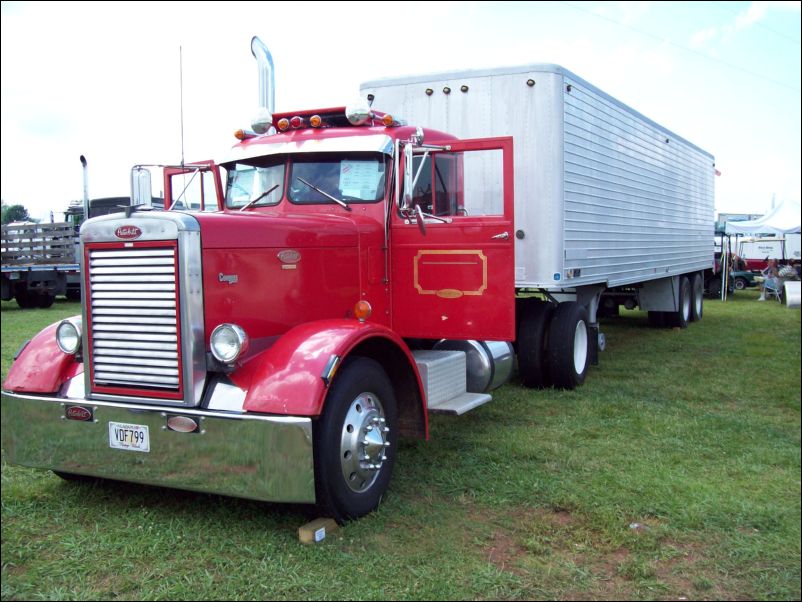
(341, 274)
(39, 261)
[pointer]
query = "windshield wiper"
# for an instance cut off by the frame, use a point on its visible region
(342, 204)
(259, 198)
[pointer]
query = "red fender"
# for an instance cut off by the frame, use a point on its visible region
(41, 367)
(287, 378)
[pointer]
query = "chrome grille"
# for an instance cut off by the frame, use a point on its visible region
(134, 318)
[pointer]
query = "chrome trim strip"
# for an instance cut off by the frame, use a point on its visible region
(267, 458)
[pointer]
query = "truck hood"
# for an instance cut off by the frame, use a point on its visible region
(256, 230)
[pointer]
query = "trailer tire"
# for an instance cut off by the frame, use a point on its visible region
(569, 346)
(698, 299)
(25, 299)
(45, 300)
(532, 337)
(347, 485)
(682, 317)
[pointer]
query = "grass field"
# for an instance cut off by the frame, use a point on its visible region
(674, 473)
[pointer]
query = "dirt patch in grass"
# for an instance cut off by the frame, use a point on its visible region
(505, 554)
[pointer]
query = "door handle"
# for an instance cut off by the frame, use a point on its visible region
(502, 236)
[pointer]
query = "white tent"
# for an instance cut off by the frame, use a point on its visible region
(783, 219)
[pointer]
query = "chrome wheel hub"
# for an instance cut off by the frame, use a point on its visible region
(363, 443)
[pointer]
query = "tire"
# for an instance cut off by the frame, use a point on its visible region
(682, 317)
(532, 337)
(45, 300)
(360, 407)
(740, 284)
(569, 346)
(714, 288)
(698, 297)
(73, 294)
(25, 299)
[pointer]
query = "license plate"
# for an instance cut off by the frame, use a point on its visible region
(130, 437)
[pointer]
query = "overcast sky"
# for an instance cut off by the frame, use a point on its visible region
(102, 78)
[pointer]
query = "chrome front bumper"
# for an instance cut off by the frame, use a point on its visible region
(268, 458)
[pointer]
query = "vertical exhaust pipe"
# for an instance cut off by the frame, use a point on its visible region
(267, 87)
(86, 188)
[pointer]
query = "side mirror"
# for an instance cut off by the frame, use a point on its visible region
(408, 177)
(141, 192)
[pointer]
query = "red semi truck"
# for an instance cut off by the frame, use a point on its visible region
(311, 298)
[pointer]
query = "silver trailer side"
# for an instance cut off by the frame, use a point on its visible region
(604, 196)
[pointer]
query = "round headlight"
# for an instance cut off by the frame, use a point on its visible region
(68, 337)
(228, 342)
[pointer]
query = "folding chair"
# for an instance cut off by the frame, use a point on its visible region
(773, 288)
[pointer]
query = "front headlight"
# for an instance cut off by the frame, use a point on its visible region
(68, 336)
(228, 342)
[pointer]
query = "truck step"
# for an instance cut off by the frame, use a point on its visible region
(444, 378)
(460, 404)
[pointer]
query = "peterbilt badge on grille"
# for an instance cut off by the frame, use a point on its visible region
(289, 256)
(128, 232)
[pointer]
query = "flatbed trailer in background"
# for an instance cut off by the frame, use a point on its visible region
(39, 261)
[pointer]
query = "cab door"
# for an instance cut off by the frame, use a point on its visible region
(193, 187)
(452, 252)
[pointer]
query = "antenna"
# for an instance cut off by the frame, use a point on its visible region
(181, 93)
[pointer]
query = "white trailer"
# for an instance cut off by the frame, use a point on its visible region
(610, 208)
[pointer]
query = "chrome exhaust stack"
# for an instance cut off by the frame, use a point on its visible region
(263, 121)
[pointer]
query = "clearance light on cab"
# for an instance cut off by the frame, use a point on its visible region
(362, 310)
(315, 121)
(283, 124)
(68, 336)
(388, 120)
(244, 134)
(296, 122)
(228, 342)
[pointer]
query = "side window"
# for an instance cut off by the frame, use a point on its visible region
(480, 181)
(459, 184)
(194, 191)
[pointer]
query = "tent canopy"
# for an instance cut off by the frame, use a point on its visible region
(783, 219)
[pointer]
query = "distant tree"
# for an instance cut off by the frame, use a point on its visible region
(14, 213)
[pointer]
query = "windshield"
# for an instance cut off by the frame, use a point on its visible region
(254, 182)
(357, 177)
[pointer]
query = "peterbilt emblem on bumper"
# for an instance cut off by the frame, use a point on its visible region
(128, 232)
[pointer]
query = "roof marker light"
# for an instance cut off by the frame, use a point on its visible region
(296, 122)
(388, 120)
(315, 121)
(283, 124)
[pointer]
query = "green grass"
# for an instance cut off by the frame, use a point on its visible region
(674, 472)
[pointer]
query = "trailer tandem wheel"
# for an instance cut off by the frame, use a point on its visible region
(698, 292)
(355, 440)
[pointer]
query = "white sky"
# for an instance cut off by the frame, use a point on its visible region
(102, 79)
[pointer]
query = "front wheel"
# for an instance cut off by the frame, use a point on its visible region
(740, 284)
(355, 441)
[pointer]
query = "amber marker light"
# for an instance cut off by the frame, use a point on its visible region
(387, 120)
(283, 124)
(315, 121)
(362, 310)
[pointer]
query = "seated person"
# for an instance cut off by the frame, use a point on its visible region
(771, 275)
